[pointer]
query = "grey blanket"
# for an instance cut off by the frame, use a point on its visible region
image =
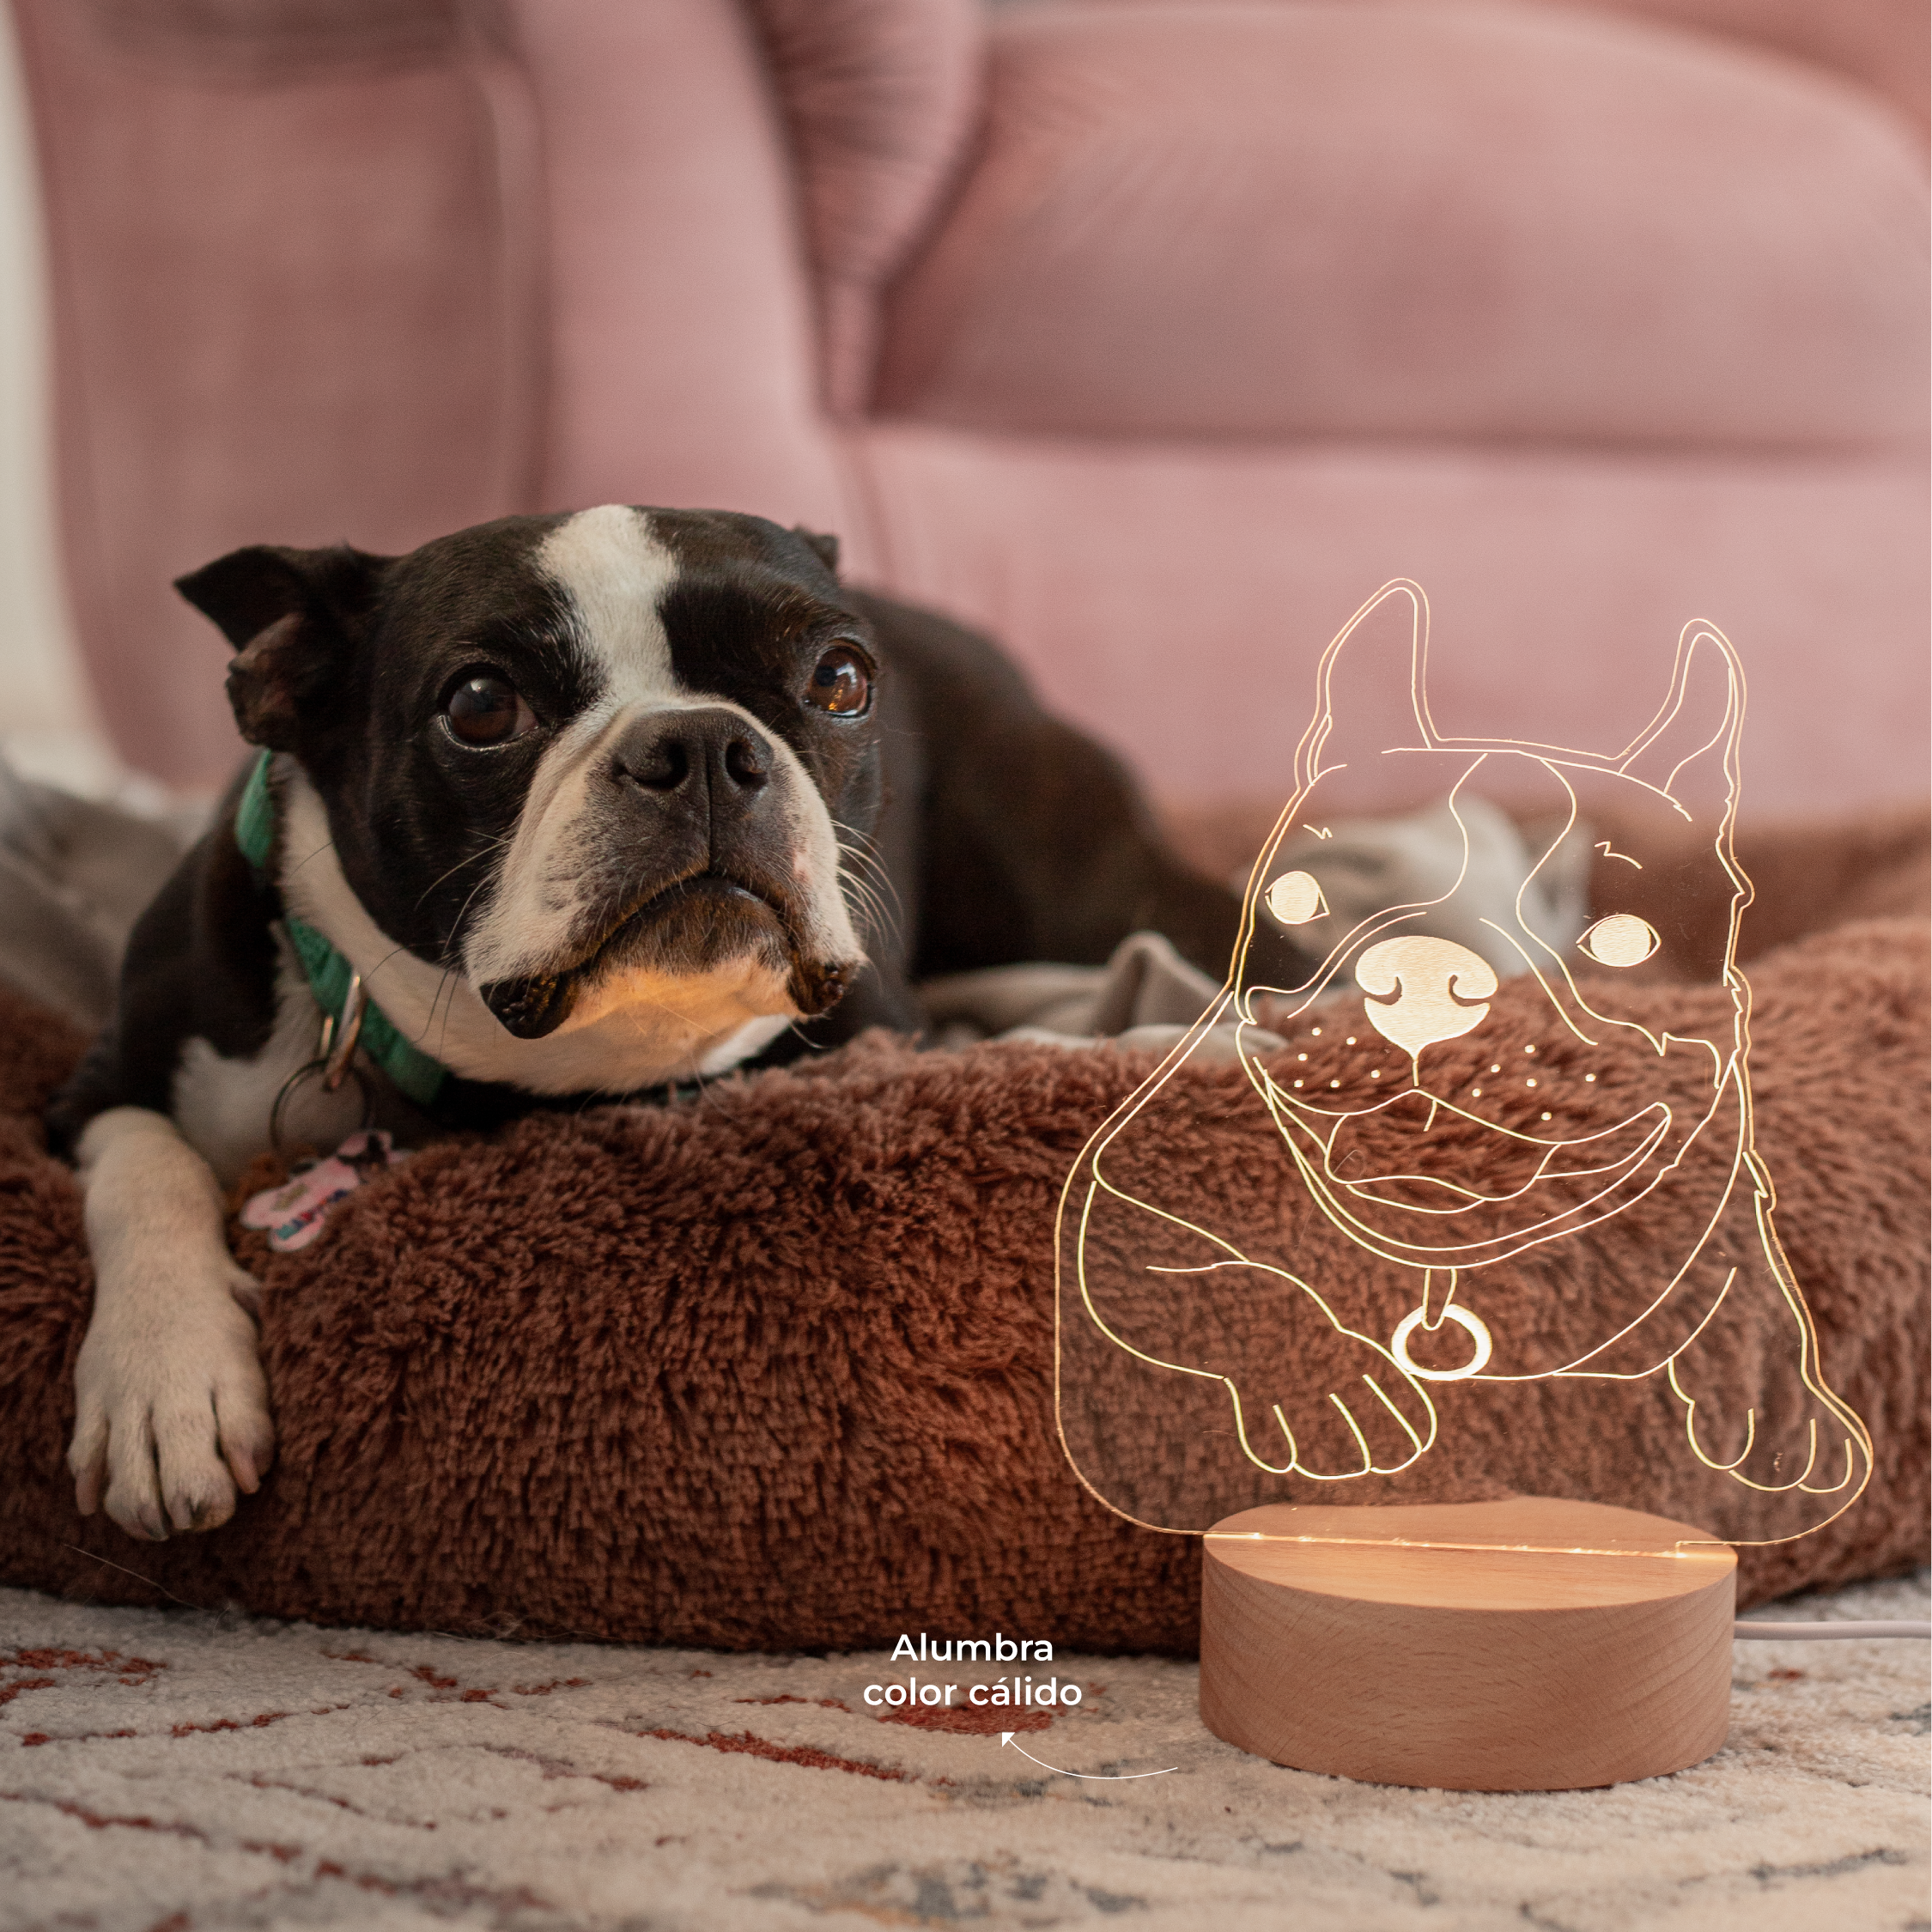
(74, 877)
(76, 874)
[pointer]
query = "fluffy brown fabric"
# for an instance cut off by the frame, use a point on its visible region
(773, 1368)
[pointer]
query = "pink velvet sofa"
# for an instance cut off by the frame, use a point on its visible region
(1153, 334)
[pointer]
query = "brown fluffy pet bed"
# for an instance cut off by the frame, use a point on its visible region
(775, 1368)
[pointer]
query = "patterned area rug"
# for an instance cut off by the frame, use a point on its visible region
(175, 1772)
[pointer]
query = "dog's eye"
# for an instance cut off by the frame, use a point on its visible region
(1295, 898)
(840, 683)
(1621, 940)
(486, 709)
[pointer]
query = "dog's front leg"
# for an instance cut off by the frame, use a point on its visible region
(172, 1410)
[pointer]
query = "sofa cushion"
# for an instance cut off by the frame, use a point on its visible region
(776, 1369)
(1174, 597)
(880, 99)
(1412, 221)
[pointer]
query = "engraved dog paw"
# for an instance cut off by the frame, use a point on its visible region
(172, 1410)
(1353, 1410)
(1775, 1439)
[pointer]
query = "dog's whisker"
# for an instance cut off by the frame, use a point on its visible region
(866, 852)
(862, 845)
(448, 980)
(462, 911)
(451, 973)
(872, 912)
(369, 976)
(857, 832)
(864, 865)
(885, 920)
(327, 845)
(494, 845)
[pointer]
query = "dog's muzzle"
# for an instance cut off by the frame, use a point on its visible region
(693, 872)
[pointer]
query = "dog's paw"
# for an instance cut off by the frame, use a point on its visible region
(171, 1408)
(1352, 1410)
(1775, 1439)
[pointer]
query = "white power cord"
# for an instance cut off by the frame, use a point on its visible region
(1767, 1633)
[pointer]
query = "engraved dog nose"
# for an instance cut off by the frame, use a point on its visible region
(1440, 989)
(717, 748)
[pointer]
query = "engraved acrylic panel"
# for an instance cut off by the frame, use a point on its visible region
(1457, 1160)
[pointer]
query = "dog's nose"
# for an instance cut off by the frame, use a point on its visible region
(713, 749)
(1440, 988)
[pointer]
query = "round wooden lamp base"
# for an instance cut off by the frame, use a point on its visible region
(1531, 1645)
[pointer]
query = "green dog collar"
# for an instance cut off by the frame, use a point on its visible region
(412, 1070)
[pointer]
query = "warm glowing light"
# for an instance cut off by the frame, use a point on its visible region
(1472, 1325)
(1435, 985)
(1295, 898)
(1678, 1553)
(1434, 1194)
(1620, 939)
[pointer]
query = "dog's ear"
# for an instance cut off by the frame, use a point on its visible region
(1369, 691)
(1688, 752)
(826, 548)
(290, 615)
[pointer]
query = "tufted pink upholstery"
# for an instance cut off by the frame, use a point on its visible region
(1330, 220)
(1154, 334)
(882, 98)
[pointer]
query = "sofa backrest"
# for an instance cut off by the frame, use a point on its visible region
(881, 100)
(373, 270)
(277, 249)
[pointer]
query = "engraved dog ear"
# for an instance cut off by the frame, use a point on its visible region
(289, 613)
(1688, 751)
(1370, 688)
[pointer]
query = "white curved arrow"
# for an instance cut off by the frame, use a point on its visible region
(1105, 1777)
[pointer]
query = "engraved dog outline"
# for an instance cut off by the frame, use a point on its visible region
(1693, 738)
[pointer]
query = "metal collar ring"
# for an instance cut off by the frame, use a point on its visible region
(334, 1062)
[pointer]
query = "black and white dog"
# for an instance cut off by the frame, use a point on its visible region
(557, 807)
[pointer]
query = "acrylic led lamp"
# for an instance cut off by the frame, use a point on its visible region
(1528, 1645)
(1579, 1193)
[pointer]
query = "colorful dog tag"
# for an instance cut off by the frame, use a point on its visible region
(294, 1213)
